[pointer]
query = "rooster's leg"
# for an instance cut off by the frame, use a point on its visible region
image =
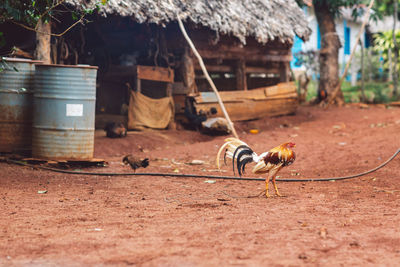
(276, 188)
(266, 187)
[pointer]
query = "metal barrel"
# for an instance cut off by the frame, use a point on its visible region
(64, 112)
(16, 104)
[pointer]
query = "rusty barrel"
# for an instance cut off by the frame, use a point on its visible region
(16, 104)
(64, 112)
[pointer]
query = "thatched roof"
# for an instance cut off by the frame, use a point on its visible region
(266, 20)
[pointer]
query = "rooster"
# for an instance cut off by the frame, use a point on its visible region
(268, 162)
(135, 162)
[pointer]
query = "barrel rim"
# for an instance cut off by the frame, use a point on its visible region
(25, 60)
(67, 66)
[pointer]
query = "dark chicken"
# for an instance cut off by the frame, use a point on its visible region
(115, 129)
(135, 162)
(270, 162)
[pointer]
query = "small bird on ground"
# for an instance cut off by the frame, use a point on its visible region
(135, 162)
(115, 129)
(270, 162)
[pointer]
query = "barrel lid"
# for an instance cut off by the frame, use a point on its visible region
(68, 66)
(15, 59)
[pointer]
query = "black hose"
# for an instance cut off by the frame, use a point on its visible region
(206, 176)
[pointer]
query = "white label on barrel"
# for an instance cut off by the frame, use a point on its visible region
(74, 110)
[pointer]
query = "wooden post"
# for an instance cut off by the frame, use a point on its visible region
(138, 81)
(240, 72)
(43, 34)
(284, 71)
(138, 85)
(188, 71)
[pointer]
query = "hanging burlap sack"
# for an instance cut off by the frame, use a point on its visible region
(145, 112)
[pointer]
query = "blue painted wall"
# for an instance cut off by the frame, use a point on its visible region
(297, 47)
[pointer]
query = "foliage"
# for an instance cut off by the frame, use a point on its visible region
(373, 65)
(312, 90)
(29, 12)
(335, 6)
(376, 92)
(383, 42)
(384, 7)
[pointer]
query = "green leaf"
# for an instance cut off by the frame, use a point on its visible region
(74, 16)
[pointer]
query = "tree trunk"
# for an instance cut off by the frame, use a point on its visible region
(329, 52)
(42, 51)
(396, 50)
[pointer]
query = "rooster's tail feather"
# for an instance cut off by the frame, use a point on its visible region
(236, 150)
(229, 146)
(241, 162)
(244, 149)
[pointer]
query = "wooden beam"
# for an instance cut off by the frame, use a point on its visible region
(154, 73)
(215, 68)
(240, 72)
(249, 69)
(247, 55)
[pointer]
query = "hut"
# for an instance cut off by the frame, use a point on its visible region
(139, 49)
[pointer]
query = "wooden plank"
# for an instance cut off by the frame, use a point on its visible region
(154, 73)
(280, 89)
(250, 109)
(215, 68)
(270, 92)
(230, 96)
(280, 99)
(248, 56)
(282, 96)
(249, 69)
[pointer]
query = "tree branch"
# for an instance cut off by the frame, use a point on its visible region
(52, 34)
(47, 11)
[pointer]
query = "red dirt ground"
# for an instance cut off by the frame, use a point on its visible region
(158, 221)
